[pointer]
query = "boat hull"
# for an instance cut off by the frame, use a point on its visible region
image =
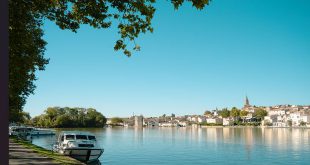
(85, 155)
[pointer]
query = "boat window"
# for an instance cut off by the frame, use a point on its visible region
(62, 138)
(83, 137)
(91, 138)
(69, 137)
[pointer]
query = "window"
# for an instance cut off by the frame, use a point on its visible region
(81, 137)
(69, 137)
(91, 138)
(62, 138)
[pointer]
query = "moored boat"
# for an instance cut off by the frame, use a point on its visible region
(42, 131)
(23, 132)
(79, 145)
(32, 131)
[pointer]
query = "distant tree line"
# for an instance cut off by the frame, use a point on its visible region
(236, 113)
(66, 117)
(116, 121)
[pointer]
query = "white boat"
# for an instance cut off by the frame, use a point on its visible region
(23, 132)
(16, 130)
(42, 131)
(79, 145)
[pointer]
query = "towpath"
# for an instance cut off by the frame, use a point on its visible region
(19, 155)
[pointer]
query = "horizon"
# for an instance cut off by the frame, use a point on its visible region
(194, 61)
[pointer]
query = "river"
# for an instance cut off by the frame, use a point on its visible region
(197, 146)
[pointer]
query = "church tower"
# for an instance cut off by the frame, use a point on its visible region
(247, 103)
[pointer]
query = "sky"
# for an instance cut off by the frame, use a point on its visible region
(192, 62)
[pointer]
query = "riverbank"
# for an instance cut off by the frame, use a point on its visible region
(23, 152)
(243, 126)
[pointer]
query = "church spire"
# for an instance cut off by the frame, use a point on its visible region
(247, 103)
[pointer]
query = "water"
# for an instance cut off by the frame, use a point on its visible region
(176, 146)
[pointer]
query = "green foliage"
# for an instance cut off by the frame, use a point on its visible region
(26, 49)
(267, 123)
(260, 113)
(207, 113)
(289, 123)
(69, 117)
(235, 112)
(26, 46)
(243, 113)
(116, 120)
(302, 123)
(224, 113)
(59, 158)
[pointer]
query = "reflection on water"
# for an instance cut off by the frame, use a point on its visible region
(199, 145)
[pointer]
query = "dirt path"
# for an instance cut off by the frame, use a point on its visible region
(18, 154)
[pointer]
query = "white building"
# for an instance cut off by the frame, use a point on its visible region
(201, 119)
(139, 121)
(215, 121)
(271, 118)
(228, 121)
(166, 124)
(276, 112)
(298, 117)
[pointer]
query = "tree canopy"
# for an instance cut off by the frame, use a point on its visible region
(116, 120)
(69, 117)
(224, 113)
(243, 113)
(26, 46)
(235, 112)
(260, 113)
(207, 113)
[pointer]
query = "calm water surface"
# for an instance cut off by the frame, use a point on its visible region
(175, 146)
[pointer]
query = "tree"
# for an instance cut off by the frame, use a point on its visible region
(260, 113)
(224, 113)
(64, 121)
(26, 117)
(69, 117)
(243, 114)
(26, 46)
(207, 113)
(235, 112)
(52, 113)
(94, 118)
(302, 123)
(116, 120)
(26, 49)
(290, 123)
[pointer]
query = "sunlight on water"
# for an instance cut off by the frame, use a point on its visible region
(199, 145)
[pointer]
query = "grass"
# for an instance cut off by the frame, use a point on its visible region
(44, 152)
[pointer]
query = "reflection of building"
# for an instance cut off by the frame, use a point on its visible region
(249, 142)
(139, 121)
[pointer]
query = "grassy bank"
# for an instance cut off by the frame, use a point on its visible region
(44, 152)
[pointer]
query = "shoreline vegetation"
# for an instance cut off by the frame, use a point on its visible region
(65, 117)
(58, 158)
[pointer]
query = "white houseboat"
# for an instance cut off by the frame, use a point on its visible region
(79, 145)
(42, 131)
(21, 132)
(32, 131)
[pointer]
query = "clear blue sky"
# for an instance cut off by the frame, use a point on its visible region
(194, 60)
